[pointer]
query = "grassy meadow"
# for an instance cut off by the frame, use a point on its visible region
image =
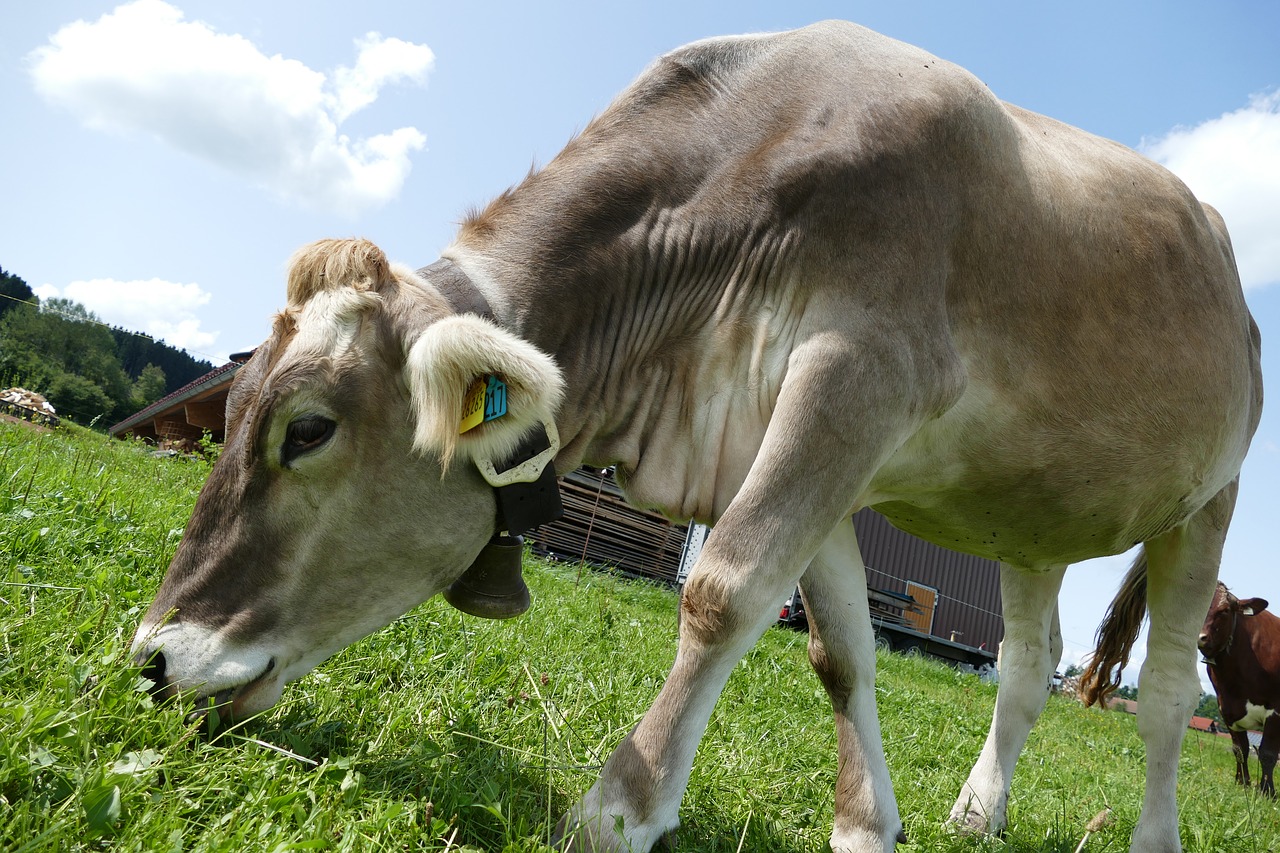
(448, 733)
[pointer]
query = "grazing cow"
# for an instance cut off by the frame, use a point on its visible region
(782, 277)
(1240, 643)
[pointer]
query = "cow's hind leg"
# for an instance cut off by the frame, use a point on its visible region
(842, 651)
(1240, 746)
(1182, 571)
(1029, 653)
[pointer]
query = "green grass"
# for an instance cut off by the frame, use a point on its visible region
(445, 732)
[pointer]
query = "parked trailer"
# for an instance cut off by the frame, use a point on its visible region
(27, 413)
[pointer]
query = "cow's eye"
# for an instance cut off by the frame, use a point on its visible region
(305, 435)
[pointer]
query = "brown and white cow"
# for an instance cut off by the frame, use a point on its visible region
(782, 277)
(1240, 643)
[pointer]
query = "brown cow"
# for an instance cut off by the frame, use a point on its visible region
(1240, 642)
(780, 278)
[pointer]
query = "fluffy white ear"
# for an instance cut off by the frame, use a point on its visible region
(448, 357)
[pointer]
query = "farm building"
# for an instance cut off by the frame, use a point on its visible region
(181, 418)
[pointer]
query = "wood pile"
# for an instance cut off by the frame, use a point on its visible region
(27, 400)
(28, 406)
(185, 446)
(599, 527)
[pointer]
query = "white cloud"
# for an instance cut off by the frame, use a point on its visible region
(381, 61)
(165, 310)
(216, 96)
(1233, 163)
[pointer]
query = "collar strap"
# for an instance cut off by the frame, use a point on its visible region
(525, 484)
(457, 288)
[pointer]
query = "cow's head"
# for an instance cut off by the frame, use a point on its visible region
(344, 495)
(1220, 624)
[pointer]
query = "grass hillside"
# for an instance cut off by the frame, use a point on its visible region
(447, 733)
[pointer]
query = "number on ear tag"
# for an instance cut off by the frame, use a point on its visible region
(486, 400)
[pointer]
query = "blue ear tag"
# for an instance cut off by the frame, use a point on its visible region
(486, 400)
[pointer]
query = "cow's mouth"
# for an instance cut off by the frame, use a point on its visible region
(230, 704)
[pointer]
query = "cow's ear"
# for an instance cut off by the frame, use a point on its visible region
(451, 360)
(1252, 606)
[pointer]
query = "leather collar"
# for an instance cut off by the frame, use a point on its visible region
(457, 289)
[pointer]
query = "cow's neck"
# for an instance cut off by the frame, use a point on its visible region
(646, 330)
(655, 293)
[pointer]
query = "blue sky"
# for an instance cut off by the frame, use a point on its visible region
(162, 160)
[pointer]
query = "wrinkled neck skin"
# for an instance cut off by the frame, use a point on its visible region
(671, 331)
(651, 368)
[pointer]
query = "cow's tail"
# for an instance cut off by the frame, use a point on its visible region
(1116, 635)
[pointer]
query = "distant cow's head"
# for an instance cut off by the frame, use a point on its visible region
(344, 495)
(1220, 624)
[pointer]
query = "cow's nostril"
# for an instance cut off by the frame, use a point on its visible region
(153, 669)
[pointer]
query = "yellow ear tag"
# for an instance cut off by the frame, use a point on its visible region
(486, 400)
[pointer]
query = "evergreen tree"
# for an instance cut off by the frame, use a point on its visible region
(59, 350)
(13, 288)
(137, 351)
(1209, 707)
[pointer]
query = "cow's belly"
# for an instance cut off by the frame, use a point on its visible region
(1255, 717)
(990, 480)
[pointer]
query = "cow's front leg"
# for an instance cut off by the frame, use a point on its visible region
(724, 610)
(1029, 653)
(814, 462)
(1240, 746)
(842, 651)
(1267, 754)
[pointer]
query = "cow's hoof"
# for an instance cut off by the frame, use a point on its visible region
(576, 835)
(971, 823)
(573, 836)
(866, 841)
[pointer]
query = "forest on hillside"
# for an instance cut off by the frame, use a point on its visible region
(92, 373)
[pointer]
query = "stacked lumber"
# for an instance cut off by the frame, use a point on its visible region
(183, 446)
(890, 607)
(599, 527)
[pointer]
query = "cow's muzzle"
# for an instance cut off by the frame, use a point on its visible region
(226, 704)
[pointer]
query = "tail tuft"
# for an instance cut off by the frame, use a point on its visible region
(1116, 635)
